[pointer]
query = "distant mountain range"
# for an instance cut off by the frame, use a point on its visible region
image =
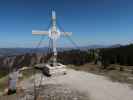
(99, 46)
(17, 51)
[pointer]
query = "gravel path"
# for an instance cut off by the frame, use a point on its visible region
(95, 86)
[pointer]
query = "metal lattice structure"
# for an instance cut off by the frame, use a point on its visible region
(53, 33)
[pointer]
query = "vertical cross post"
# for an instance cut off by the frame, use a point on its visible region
(53, 34)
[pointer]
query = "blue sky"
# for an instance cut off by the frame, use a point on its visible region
(103, 22)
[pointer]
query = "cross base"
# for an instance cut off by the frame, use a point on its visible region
(50, 70)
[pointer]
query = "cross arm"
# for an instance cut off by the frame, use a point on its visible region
(66, 33)
(37, 32)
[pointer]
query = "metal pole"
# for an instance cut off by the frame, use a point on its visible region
(54, 30)
(55, 53)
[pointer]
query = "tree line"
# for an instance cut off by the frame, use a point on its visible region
(122, 55)
(76, 57)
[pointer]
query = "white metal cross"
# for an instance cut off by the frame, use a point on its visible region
(54, 34)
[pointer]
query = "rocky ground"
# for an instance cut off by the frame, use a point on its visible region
(76, 85)
(48, 92)
(54, 92)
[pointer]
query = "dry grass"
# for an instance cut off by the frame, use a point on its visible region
(113, 73)
(122, 77)
(3, 83)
